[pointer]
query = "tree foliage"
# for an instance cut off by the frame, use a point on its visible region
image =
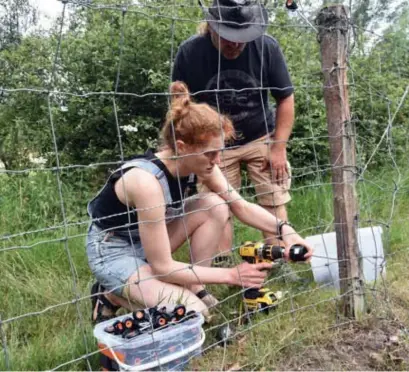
(111, 68)
(16, 16)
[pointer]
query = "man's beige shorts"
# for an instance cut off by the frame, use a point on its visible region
(269, 193)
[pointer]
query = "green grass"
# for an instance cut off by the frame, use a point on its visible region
(39, 278)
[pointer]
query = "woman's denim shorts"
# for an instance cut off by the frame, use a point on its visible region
(113, 259)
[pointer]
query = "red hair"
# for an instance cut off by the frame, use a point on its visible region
(193, 123)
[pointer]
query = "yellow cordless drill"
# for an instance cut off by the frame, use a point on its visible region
(254, 252)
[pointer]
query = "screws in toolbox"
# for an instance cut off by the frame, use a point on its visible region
(179, 312)
(144, 320)
(140, 316)
(116, 328)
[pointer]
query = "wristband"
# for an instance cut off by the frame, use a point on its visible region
(202, 293)
(280, 229)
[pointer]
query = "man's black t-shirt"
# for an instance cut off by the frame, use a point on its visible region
(244, 82)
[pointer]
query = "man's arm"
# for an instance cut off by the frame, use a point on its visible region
(284, 120)
(282, 91)
(278, 150)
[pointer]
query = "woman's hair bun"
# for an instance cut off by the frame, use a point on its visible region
(180, 100)
(178, 88)
(191, 122)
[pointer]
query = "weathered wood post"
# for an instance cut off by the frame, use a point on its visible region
(333, 26)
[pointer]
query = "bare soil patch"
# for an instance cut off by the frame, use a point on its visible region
(376, 344)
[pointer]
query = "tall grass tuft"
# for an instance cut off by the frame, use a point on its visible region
(44, 273)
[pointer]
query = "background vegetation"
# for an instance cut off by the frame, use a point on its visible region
(43, 223)
(107, 50)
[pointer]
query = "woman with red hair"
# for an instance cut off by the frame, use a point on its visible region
(141, 216)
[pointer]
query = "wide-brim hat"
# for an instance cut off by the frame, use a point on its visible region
(239, 21)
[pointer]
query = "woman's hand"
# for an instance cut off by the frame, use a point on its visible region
(290, 238)
(250, 275)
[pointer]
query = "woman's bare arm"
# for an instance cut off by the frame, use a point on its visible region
(145, 193)
(252, 214)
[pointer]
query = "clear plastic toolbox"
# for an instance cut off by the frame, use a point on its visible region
(169, 348)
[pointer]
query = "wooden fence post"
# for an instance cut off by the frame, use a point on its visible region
(333, 25)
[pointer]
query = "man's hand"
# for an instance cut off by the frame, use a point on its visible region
(278, 160)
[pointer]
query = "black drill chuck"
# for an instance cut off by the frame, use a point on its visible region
(297, 253)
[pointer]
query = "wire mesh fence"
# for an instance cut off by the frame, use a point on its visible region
(94, 91)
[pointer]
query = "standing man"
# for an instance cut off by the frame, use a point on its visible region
(233, 65)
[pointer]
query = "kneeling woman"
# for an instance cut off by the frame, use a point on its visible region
(140, 217)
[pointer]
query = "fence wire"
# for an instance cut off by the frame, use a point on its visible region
(54, 245)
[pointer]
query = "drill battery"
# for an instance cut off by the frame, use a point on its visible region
(261, 300)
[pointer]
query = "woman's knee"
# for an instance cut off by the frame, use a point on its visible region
(217, 207)
(144, 289)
